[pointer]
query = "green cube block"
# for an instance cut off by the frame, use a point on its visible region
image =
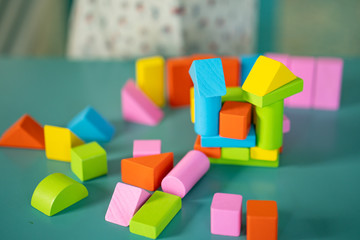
(88, 161)
(233, 94)
(251, 162)
(155, 214)
(242, 154)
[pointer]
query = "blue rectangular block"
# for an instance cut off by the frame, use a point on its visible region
(217, 141)
(247, 62)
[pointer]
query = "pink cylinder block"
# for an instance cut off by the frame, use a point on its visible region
(186, 173)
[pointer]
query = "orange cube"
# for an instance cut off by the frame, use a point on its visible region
(262, 220)
(235, 120)
(214, 152)
(146, 172)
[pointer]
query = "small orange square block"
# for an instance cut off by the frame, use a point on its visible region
(146, 172)
(235, 120)
(213, 152)
(262, 220)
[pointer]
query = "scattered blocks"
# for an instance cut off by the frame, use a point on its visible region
(146, 147)
(88, 161)
(57, 192)
(150, 78)
(186, 173)
(155, 214)
(261, 220)
(214, 152)
(286, 124)
(235, 120)
(226, 210)
(148, 171)
(242, 154)
(137, 107)
(58, 143)
(262, 154)
(89, 125)
(247, 63)
(24, 133)
(266, 76)
(125, 202)
(250, 162)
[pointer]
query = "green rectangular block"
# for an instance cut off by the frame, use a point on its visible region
(155, 214)
(242, 154)
(233, 94)
(281, 93)
(250, 162)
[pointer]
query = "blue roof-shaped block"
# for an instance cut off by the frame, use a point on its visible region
(89, 125)
(208, 77)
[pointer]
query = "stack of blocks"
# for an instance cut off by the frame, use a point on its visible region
(241, 125)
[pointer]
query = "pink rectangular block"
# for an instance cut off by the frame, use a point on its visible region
(146, 147)
(286, 124)
(304, 68)
(137, 107)
(328, 80)
(226, 210)
(125, 202)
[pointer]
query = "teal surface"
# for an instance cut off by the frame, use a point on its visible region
(316, 185)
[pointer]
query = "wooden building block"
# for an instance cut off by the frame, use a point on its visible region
(214, 152)
(146, 147)
(125, 202)
(232, 70)
(235, 120)
(155, 214)
(266, 76)
(286, 124)
(24, 133)
(328, 80)
(148, 171)
(269, 126)
(263, 154)
(261, 220)
(250, 162)
(57, 192)
(137, 107)
(242, 154)
(235, 94)
(247, 63)
(89, 125)
(88, 161)
(225, 212)
(192, 105)
(150, 78)
(187, 172)
(218, 141)
(58, 143)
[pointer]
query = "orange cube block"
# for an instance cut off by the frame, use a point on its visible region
(146, 172)
(214, 152)
(262, 220)
(235, 120)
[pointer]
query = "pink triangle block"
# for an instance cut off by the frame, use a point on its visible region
(125, 202)
(137, 107)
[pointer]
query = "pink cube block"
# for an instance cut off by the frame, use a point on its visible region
(125, 202)
(328, 80)
(226, 210)
(137, 107)
(146, 147)
(304, 68)
(286, 124)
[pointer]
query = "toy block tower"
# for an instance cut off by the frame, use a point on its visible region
(244, 123)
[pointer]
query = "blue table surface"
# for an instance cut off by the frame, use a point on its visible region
(315, 186)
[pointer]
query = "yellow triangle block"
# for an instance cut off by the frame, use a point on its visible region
(266, 76)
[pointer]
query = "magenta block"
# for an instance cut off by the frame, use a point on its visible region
(226, 210)
(186, 173)
(146, 147)
(286, 124)
(137, 107)
(328, 80)
(125, 202)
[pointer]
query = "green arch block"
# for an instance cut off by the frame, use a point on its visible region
(57, 192)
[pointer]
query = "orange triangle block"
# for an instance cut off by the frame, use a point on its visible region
(24, 133)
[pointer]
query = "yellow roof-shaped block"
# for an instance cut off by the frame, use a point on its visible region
(266, 76)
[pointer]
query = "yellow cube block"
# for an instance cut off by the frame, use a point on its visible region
(150, 78)
(262, 154)
(58, 143)
(266, 76)
(192, 105)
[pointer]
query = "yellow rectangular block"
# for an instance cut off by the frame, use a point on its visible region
(150, 78)
(262, 154)
(58, 143)
(192, 105)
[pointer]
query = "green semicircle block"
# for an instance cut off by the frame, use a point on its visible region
(57, 192)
